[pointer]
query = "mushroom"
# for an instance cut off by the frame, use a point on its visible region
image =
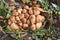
(12, 18)
(24, 20)
(20, 24)
(15, 12)
(14, 26)
(12, 0)
(33, 27)
(26, 15)
(28, 21)
(25, 26)
(26, 7)
(40, 18)
(36, 12)
(32, 19)
(21, 16)
(17, 18)
(38, 25)
(24, 10)
(30, 11)
(34, 2)
(19, 10)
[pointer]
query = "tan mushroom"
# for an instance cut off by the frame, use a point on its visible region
(36, 12)
(21, 16)
(17, 18)
(15, 12)
(39, 25)
(32, 19)
(24, 11)
(24, 20)
(30, 11)
(33, 27)
(40, 18)
(12, 0)
(19, 10)
(28, 21)
(26, 15)
(26, 7)
(25, 26)
(14, 26)
(12, 18)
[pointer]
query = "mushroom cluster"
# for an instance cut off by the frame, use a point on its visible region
(27, 17)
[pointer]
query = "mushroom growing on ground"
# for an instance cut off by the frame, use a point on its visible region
(26, 17)
(33, 27)
(32, 19)
(38, 25)
(40, 18)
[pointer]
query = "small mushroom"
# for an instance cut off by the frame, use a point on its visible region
(26, 7)
(40, 18)
(24, 20)
(40, 9)
(38, 5)
(36, 12)
(15, 12)
(12, 0)
(26, 15)
(12, 18)
(39, 25)
(33, 27)
(14, 26)
(30, 11)
(34, 2)
(32, 19)
(25, 26)
(28, 21)
(19, 10)
(20, 24)
(24, 10)
(21, 16)
(17, 18)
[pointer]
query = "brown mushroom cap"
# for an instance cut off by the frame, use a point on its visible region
(39, 25)
(32, 19)
(21, 16)
(15, 12)
(25, 26)
(14, 26)
(26, 15)
(30, 11)
(19, 10)
(40, 18)
(36, 12)
(26, 7)
(28, 21)
(17, 18)
(12, 18)
(33, 27)
(24, 11)
(24, 20)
